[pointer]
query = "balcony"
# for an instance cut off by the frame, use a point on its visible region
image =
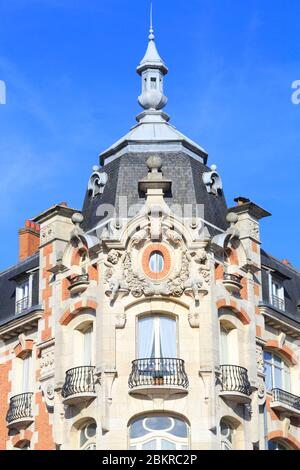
(79, 385)
(79, 284)
(232, 282)
(22, 305)
(235, 383)
(286, 402)
(20, 411)
(277, 302)
(157, 375)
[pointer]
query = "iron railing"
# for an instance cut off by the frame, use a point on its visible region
(277, 302)
(80, 278)
(158, 371)
(79, 380)
(22, 304)
(20, 407)
(235, 379)
(232, 277)
(286, 398)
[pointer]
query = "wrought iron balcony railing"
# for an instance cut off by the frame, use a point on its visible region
(232, 277)
(22, 304)
(79, 380)
(277, 302)
(158, 371)
(286, 398)
(20, 408)
(235, 379)
(79, 278)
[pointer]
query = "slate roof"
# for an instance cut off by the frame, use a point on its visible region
(8, 283)
(184, 171)
(291, 282)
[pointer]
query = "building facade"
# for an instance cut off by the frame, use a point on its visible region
(152, 318)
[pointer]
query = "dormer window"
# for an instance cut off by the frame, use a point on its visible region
(23, 300)
(277, 293)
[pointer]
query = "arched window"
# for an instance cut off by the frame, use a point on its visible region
(158, 432)
(87, 436)
(156, 262)
(277, 372)
(227, 435)
(157, 337)
(277, 445)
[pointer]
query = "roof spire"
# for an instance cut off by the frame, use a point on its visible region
(152, 70)
(151, 31)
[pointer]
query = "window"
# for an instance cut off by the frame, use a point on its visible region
(277, 294)
(157, 337)
(227, 435)
(156, 262)
(158, 432)
(87, 346)
(87, 436)
(153, 83)
(26, 363)
(22, 296)
(276, 445)
(277, 372)
(224, 345)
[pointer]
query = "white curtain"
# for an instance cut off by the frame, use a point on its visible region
(168, 337)
(146, 337)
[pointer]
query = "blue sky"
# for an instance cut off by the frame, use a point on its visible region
(69, 69)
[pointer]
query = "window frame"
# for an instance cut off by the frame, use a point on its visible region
(284, 368)
(156, 338)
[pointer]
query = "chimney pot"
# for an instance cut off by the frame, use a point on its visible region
(29, 240)
(286, 262)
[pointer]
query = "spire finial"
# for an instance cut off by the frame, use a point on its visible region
(151, 31)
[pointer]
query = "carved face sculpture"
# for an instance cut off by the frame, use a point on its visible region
(113, 257)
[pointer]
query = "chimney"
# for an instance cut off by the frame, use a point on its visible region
(286, 262)
(29, 239)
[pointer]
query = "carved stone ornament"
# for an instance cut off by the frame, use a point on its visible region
(212, 181)
(254, 230)
(47, 362)
(261, 392)
(260, 360)
(192, 278)
(120, 321)
(194, 320)
(48, 392)
(97, 182)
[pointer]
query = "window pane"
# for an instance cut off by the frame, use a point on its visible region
(268, 372)
(168, 337)
(180, 428)
(146, 337)
(150, 445)
(158, 423)
(167, 445)
(156, 262)
(267, 356)
(277, 377)
(137, 429)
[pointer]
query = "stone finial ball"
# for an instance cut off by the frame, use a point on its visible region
(232, 218)
(95, 168)
(213, 167)
(154, 162)
(77, 218)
